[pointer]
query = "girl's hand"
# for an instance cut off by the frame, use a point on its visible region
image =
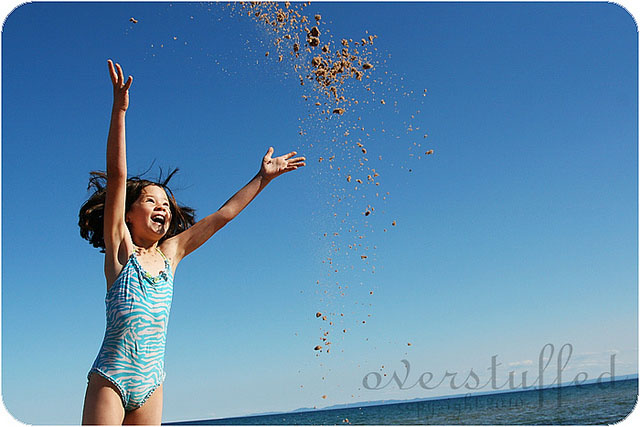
(120, 87)
(273, 167)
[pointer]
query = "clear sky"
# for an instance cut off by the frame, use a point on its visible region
(519, 230)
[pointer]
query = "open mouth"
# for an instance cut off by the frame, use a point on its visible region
(158, 219)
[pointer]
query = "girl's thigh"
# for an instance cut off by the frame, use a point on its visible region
(148, 414)
(102, 403)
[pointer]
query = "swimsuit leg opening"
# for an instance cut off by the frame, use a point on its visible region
(120, 390)
(133, 406)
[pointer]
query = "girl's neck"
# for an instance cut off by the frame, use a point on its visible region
(145, 248)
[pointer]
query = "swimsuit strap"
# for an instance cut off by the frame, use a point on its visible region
(166, 260)
(158, 249)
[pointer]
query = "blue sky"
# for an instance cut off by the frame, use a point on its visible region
(520, 230)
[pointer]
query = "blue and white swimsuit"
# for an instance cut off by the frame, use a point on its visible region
(132, 352)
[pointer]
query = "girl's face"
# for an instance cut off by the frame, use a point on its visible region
(150, 215)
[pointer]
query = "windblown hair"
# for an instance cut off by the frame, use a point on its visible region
(91, 216)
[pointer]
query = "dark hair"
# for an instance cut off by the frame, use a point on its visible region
(91, 216)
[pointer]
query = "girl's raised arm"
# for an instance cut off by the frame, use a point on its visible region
(116, 235)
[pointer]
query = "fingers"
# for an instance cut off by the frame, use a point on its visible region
(112, 72)
(286, 162)
(127, 85)
(297, 160)
(117, 77)
(294, 164)
(292, 168)
(285, 156)
(120, 74)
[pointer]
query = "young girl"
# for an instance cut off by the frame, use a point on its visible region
(144, 234)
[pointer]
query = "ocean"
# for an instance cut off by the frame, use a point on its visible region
(604, 403)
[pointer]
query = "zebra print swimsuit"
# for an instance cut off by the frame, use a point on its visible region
(132, 352)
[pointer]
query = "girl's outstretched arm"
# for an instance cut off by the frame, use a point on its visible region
(116, 235)
(191, 239)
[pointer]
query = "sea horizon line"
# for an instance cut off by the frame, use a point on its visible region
(383, 402)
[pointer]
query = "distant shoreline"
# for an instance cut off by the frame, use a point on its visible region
(368, 404)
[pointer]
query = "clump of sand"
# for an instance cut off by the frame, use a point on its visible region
(330, 65)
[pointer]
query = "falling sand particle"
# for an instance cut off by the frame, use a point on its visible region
(332, 68)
